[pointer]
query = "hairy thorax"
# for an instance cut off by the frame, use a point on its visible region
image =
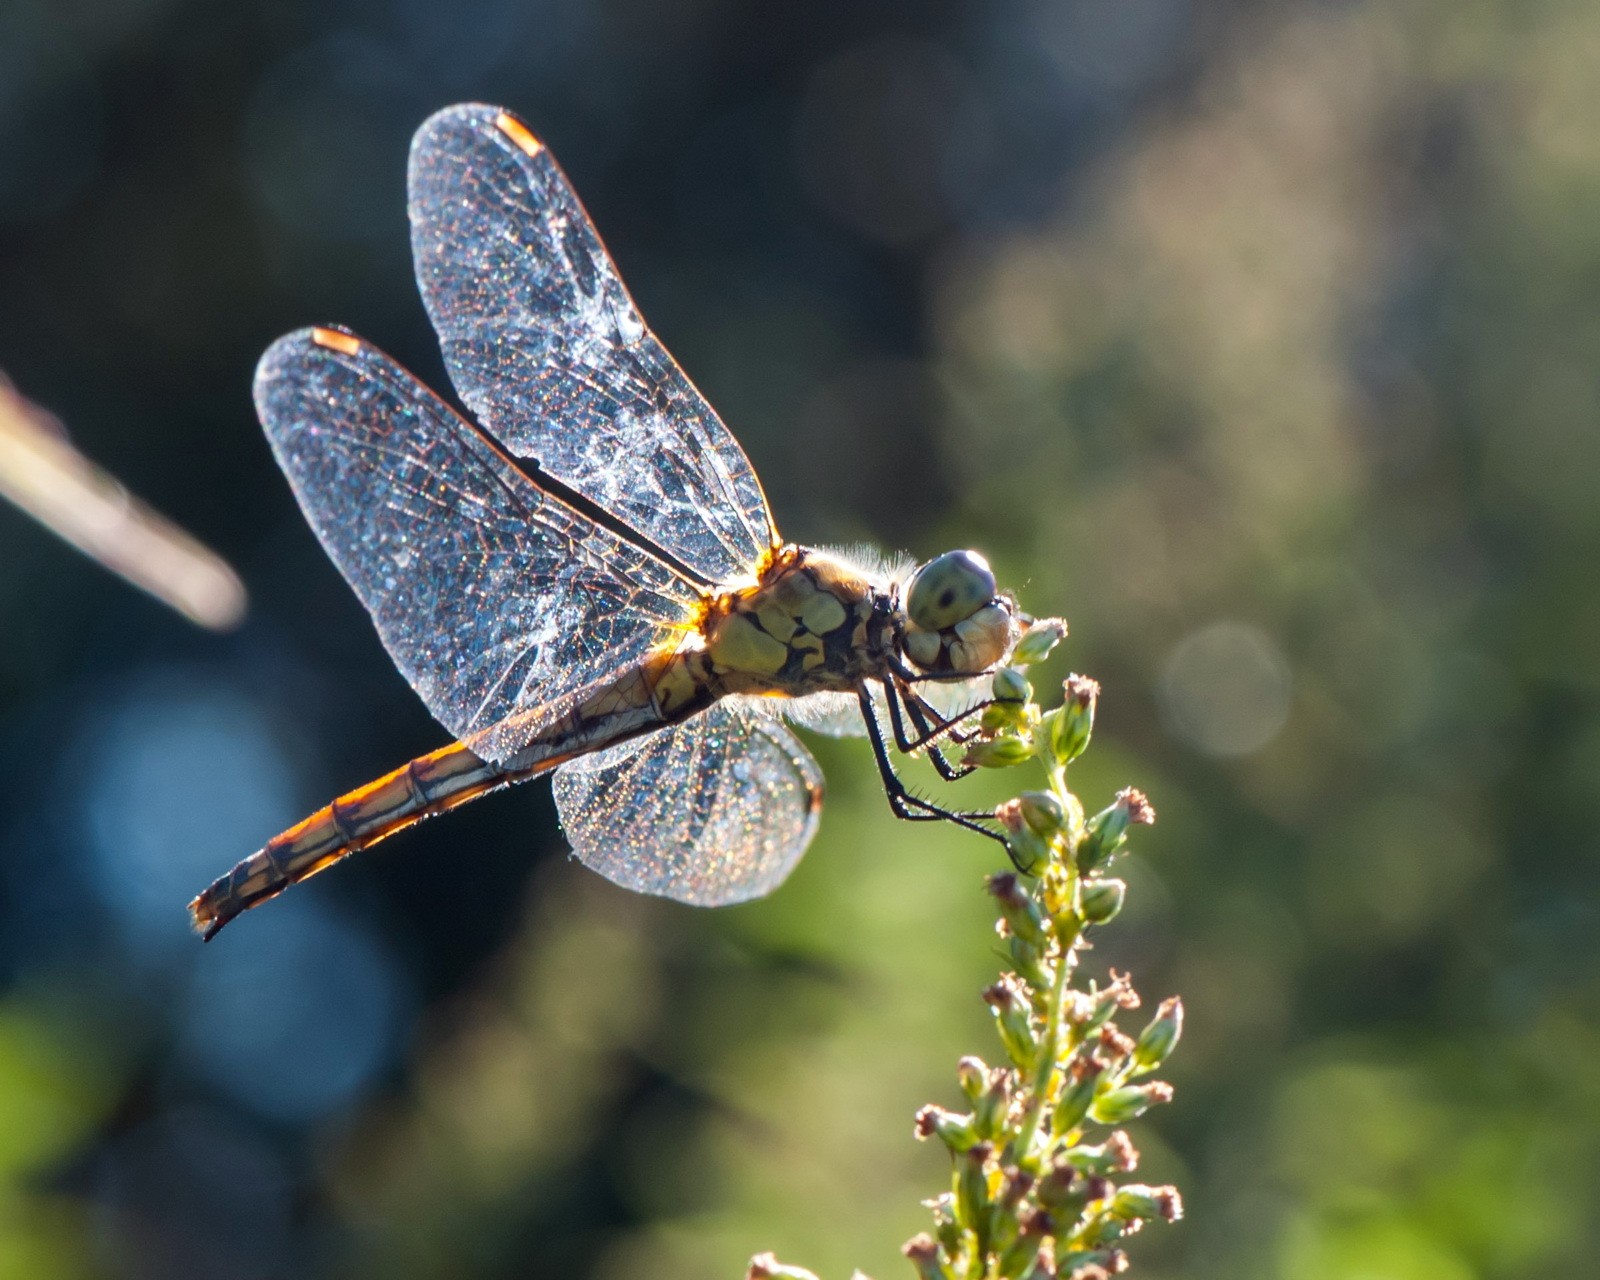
(807, 625)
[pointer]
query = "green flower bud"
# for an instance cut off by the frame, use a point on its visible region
(1116, 1155)
(1118, 1106)
(972, 1186)
(1101, 900)
(1063, 1191)
(1028, 852)
(1074, 722)
(1010, 685)
(1003, 1225)
(1107, 832)
(1135, 1203)
(1020, 1257)
(1160, 1037)
(1104, 1230)
(1018, 909)
(945, 1227)
(1042, 635)
(1043, 811)
(1083, 1078)
(1030, 964)
(1014, 1019)
(973, 1074)
(1001, 717)
(1000, 752)
(989, 1109)
(955, 1131)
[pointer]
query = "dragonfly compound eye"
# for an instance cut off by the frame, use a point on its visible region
(948, 590)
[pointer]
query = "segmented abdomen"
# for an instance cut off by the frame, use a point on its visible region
(428, 785)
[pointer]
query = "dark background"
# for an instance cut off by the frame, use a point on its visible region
(1260, 340)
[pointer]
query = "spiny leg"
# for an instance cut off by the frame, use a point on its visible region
(909, 676)
(932, 724)
(902, 803)
(930, 727)
(930, 720)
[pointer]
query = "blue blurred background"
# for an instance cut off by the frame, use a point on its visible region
(1259, 339)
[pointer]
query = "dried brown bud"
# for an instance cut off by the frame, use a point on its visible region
(1141, 813)
(1016, 1185)
(1080, 689)
(1035, 1221)
(1113, 1044)
(1125, 1154)
(765, 1266)
(1122, 989)
(922, 1251)
(921, 1245)
(955, 1131)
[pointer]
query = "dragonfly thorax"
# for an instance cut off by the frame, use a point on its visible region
(809, 624)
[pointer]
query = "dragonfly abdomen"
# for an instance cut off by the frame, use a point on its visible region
(425, 786)
(623, 708)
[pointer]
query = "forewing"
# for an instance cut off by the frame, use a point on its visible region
(498, 603)
(548, 350)
(712, 811)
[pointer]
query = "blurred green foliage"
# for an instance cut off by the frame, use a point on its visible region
(1273, 368)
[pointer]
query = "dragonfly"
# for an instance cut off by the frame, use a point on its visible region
(583, 579)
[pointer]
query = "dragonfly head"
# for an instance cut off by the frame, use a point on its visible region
(953, 618)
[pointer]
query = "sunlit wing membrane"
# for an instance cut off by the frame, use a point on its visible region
(834, 715)
(951, 697)
(497, 602)
(547, 349)
(713, 811)
(838, 715)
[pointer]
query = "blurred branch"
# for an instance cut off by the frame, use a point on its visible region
(42, 473)
(1032, 1196)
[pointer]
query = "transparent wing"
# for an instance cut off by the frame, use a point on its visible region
(834, 715)
(951, 697)
(547, 349)
(838, 715)
(712, 811)
(498, 603)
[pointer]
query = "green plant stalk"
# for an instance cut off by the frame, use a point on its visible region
(1045, 1071)
(1031, 1198)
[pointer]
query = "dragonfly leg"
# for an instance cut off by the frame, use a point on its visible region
(930, 726)
(902, 802)
(944, 726)
(908, 676)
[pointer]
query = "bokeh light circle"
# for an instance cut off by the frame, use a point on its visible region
(1226, 688)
